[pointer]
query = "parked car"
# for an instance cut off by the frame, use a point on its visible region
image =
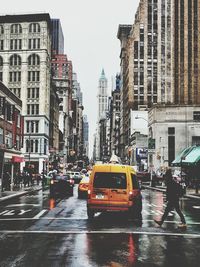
(114, 187)
(61, 185)
(83, 186)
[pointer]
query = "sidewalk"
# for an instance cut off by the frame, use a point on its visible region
(190, 193)
(6, 195)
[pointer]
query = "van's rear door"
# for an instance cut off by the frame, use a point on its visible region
(110, 188)
(118, 190)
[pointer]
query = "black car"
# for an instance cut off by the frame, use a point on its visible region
(62, 185)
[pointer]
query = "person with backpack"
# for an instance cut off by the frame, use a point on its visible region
(173, 193)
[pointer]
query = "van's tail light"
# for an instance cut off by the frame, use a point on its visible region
(89, 193)
(52, 181)
(133, 194)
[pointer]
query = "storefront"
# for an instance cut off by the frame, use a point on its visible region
(10, 161)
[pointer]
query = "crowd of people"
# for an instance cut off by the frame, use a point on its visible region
(25, 178)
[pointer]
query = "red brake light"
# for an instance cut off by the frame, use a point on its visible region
(52, 181)
(133, 194)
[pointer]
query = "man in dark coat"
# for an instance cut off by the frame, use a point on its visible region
(172, 195)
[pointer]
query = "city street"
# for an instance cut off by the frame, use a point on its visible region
(38, 231)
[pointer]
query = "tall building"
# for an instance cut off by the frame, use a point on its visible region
(85, 136)
(62, 81)
(125, 91)
(57, 37)
(187, 52)
(115, 119)
(160, 68)
(102, 96)
(25, 58)
(102, 99)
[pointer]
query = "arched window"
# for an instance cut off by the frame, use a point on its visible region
(1, 61)
(15, 60)
(1, 29)
(16, 28)
(34, 60)
(34, 27)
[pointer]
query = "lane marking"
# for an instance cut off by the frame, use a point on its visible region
(39, 214)
(5, 211)
(99, 232)
(21, 205)
(84, 219)
(23, 212)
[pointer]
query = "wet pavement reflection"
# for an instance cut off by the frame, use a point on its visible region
(37, 230)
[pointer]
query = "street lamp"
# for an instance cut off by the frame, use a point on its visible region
(138, 117)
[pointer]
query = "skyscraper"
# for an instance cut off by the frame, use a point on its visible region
(102, 96)
(187, 52)
(57, 37)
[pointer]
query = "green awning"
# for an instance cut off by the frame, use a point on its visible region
(190, 156)
(193, 157)
(182, 154)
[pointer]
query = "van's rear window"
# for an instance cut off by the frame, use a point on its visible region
(110, 180)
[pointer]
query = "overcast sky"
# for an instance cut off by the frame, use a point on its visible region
(90, 29)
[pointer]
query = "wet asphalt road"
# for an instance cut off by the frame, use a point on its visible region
(38, 231)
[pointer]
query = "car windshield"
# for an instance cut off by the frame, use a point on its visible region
(62, 177)
(110, 180)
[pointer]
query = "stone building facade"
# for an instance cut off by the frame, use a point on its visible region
(25, 58)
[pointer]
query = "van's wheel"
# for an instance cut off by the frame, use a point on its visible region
(90, 213)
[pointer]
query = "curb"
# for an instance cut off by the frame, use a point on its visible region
(19, 194)
(163, 190)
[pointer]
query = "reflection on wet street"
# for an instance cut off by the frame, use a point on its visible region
(36, 230)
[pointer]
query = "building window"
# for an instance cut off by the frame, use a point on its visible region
(34, 60)
(171, 130)
(16, 28)
(15, 76)
(1, 29)
(136, 50)
(196, 115)
(33, 93)
(33, 76)
(171, 148)
(32, 126)
(34, 28)
(32, 146)
(34, 43)
(15, 60)
(1, 44)
(1, 76)
(33, 109)
(1, 61)
(15, 44)
(195, 140)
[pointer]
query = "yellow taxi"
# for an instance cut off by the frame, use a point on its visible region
(83, 186)
(114, 187)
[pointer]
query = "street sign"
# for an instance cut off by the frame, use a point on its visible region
(151, 151)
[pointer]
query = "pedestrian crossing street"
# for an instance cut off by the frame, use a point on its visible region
(9, 211)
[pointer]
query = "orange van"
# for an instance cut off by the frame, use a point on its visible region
(114, 187)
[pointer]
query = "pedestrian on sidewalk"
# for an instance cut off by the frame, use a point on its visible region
(172, 195)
